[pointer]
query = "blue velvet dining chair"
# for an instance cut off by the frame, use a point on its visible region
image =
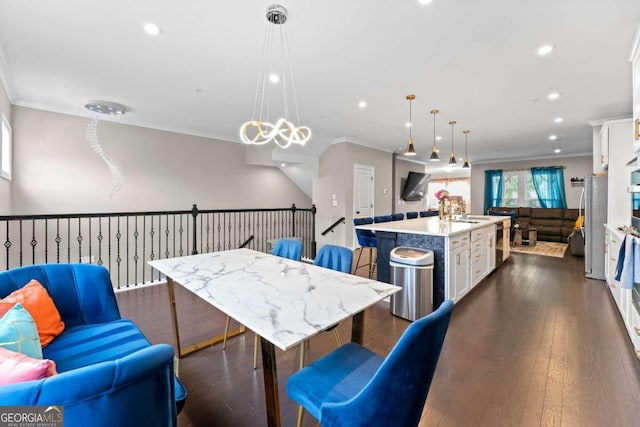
(367, 240)
(412, 215)
(336, 258)
(284, 248)
(288, 248)
(352, 386)
(397, 216)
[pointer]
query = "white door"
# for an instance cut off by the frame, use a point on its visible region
(363, 183)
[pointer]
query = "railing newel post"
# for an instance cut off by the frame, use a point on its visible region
(194, 214)
(313, 230)
(293, 220)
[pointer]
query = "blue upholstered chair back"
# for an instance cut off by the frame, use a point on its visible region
(82, 293)
(396, 394)
(397, 216)
(411, 215)
(382, 218)
(424, 214)
(365, 237)
(334, 257)
(288, 248)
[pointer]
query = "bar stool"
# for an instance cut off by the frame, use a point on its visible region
(411, 215)
(397, 217)
(367, 240)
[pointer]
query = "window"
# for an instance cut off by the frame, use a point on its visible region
(455, 187)
(518, 189)
(5, 153)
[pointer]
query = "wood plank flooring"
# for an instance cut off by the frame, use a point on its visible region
(535, 344)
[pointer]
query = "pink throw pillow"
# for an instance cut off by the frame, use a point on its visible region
(16, 367)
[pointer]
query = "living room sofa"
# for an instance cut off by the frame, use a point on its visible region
(552, 224)
(107, 371)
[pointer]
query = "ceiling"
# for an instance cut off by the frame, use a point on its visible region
(474, 60)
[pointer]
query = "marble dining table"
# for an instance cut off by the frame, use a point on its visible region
(284, 301)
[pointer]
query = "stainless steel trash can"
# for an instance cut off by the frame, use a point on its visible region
(412, 270)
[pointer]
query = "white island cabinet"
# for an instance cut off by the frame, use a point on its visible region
(458, 266)
(457, 280)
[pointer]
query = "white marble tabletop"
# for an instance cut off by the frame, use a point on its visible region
(433, 226)
(283, 301)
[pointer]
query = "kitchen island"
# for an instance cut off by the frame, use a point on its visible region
(464, 249)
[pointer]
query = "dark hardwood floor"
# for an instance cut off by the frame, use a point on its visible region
(536, 343)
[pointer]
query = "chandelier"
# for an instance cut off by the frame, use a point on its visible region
(260, 129)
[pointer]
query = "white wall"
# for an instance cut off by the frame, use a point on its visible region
(574, 167)
(5, 185)
(56, 171)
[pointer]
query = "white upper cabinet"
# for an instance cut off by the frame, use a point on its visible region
(635, 64)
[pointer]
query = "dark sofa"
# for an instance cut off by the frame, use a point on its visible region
(552, 224)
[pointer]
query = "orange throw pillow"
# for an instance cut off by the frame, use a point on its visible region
(36, 300)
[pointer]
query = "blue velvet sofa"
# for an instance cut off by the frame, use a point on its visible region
(108, 372)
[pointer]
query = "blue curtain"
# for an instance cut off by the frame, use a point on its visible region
(549, 184)
(492, 188)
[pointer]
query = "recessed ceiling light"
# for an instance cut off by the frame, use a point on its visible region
(553, 95)
(553, 137)
(152, 29)
(274, 78)
(558, 120)
(408, 124)
(362, 104)
(545, 49)
(438, 138)
(557, 150)
(424, 1)
(104, 107)
(283, 164)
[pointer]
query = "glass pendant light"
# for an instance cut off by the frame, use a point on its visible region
(465, 165)
(452, 159)
(434, 151)
(410, 151)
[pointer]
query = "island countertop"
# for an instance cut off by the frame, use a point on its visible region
(433, 226)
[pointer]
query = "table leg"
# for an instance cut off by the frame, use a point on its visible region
(357, 327)
(174, 314)
(270, 373)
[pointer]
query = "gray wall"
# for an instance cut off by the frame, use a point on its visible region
(336, 177)
(574, 167)
(56, 171)
(5, 185)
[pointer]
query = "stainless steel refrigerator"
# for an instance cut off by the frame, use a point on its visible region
(594, 197)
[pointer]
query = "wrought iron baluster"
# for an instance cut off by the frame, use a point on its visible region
(58, 239)
(90, 259)
(46, 241)
(100, 237)
(152, 255)
(79, 239)
(135, 250)
(118, 258)
(33, 242)
(166, 233)
(109, 246)
(180, 230)
(20, 243)
(174, 235)
(208, 232)
(7, 245)
(144, 248)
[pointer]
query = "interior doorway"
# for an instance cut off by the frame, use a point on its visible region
(363, 190)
